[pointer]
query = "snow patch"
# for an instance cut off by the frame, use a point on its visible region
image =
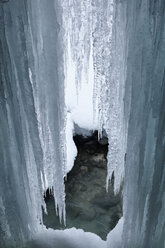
(68, 238)
(114, 238)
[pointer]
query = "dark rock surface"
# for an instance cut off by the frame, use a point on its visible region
(88, 205)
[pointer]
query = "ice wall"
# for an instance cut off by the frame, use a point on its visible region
(129, 63)
(144, 196)
(32, 115)
(135, 117)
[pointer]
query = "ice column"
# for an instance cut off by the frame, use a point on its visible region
(77, 23)
(144, 196)
(109, 84)
(32, 115)
(131, 97)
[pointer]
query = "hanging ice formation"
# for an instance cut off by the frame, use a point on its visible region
(133, 111)
(127, 42)
(138, 57)
(144, 195)
(32, 116)
(88, 31)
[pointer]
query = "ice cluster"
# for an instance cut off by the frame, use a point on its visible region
(113, 53)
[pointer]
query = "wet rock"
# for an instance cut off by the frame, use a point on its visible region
(84, 169)
(114, 220)
(106, 201)
(91, 146)
(103, 141)
(98, 159)
(83, 187)
(88, 214)
(88, 205)
(73, 210)
(4, 1)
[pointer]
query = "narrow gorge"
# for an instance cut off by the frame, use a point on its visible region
(82, 124)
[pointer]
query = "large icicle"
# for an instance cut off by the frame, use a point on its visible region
(144, 195)
(32, 116)
(131, 107)
(78, 70)
(109, 67)
(77, 23)
(89, 29)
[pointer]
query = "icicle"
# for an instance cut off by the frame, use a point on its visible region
(77, 25)
(109, 86)
(32, 133)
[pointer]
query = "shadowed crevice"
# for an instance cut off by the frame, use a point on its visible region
(88, 205)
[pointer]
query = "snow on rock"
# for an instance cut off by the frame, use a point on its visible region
(69, 238)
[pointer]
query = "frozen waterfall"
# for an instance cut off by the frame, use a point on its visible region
(32, 111)
(113, 53)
